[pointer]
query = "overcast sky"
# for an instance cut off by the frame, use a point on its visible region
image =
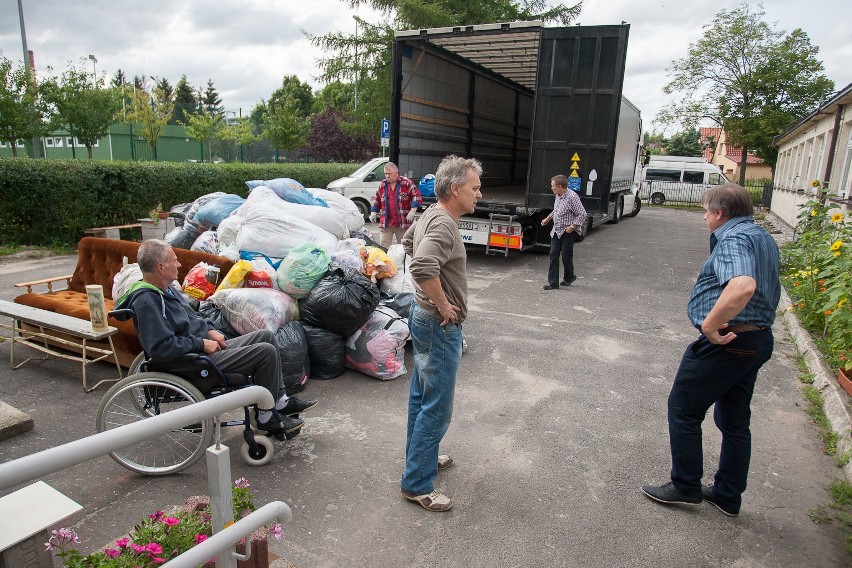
(247, 46)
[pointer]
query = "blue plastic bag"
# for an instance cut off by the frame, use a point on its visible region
(214, 212)
(289, 190)
(427, 185)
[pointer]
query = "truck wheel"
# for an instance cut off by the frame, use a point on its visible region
(619, 210)
(637, 205)
(658, 199)
(364, 208)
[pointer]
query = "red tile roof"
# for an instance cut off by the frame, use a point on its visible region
(735, 154)
(705, 133)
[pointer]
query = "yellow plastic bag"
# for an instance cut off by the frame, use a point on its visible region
(235, 276)
(378, 264)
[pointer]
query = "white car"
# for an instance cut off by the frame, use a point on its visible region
(361, 185)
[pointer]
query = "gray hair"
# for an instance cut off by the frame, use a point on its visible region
(454, 170)
(151, 253)
(731, 199)
(391, 166)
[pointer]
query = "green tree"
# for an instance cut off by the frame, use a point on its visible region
(655, 143)
(364, 58)
(164, 85)
(185, 101)
(686, 143)
(336, 96)
(212, 101)
(240, 132)
(85, 107)
(22, 110)
(151, 111)
(119, 79)
(749, 78)
(293, 91)
(284, 127)
(204, 126)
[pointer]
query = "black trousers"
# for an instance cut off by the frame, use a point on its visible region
(562, 246)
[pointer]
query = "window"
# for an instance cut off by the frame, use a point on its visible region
(714, 179)
(19, 143)
(53, 141)
(693, 177)
(3, 144)
(76, 142)
(662, 175)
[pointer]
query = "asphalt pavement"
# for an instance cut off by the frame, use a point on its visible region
(560, 417)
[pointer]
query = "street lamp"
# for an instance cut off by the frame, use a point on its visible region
(94, 68)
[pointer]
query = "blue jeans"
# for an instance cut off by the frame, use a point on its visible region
(437, 353)
(724, 375)
(561, 247)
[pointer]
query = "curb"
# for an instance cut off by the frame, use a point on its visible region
(832, 395)
(13, 421)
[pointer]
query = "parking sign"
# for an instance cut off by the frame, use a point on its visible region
(385, 128)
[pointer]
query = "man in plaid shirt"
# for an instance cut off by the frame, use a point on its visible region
(569, 217)
(397, 200)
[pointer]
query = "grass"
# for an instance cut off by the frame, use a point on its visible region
(60, 249)
(839, 512)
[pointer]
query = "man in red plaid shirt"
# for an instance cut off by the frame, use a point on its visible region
(397, 200)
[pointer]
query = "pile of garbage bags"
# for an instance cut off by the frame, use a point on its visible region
(305, 268)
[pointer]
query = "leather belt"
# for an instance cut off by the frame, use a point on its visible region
(740, 328)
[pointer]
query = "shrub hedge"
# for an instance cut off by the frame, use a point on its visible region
(51, 202)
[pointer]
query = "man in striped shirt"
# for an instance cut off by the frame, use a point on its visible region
(733, 306)
(569, 217)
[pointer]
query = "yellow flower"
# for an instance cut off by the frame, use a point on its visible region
(837, 253)
(836, 245)
(815, 183)
(790, 308)
(813, 212)
(841, 302)
(837, 217)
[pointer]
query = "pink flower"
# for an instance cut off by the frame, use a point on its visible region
(122, 542)
(157, 560)
(275, 529)
(138, 548)
(154, 548)
(171, 521)
(199, 538)
(242, 482)
(112, 553)
(48, 546)
(157, 516)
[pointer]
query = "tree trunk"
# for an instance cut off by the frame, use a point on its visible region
(89, 149)
(743, 161)
(14, 148)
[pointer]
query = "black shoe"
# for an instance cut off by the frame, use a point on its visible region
(297, 406)
(709, 496)
(550, 287)
(668, 493)
(568, 282)
(278, 424)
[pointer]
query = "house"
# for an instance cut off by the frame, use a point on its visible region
(817, 148)
(728, 156)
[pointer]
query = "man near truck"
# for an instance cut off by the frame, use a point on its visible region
(733, 306)
(438, 268)
(397, 200)
(568, 218)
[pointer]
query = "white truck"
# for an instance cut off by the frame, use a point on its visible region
(529, 102)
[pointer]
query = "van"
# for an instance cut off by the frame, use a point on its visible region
(361, 185)
(678, 179)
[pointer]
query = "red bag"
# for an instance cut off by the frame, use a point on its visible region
(258, 279)
(197, 281)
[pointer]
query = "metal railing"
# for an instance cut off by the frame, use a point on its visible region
(679, 194)
(61, 457)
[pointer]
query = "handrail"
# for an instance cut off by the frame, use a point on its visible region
(201, 553)
(55, 459)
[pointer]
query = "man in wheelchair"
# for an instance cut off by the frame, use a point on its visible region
(169, 328)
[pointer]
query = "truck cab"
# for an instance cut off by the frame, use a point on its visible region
(361, 185)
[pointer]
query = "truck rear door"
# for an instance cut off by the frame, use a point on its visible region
(577, 105)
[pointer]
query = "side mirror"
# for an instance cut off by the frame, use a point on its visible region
(646, 157)
(370, 177)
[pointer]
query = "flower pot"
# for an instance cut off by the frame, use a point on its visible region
(844, 380)
(163, 214)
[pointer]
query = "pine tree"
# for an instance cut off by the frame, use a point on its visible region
(185, 101)
(211, 101)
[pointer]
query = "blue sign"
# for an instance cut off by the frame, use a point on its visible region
(574, 183)
(385, 128)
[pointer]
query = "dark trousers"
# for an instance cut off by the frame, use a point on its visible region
(253, 354)
(562, 246)
(724, 375)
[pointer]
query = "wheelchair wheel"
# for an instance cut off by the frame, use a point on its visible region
(142, 396)
(263, 454)
(134, 366)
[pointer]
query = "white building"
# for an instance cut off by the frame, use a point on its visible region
(819, 147)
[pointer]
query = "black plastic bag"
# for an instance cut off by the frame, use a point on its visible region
(400, 303)
(341, 301)
(293, 351)
(214, 317)
(182, 237)
(326, 351)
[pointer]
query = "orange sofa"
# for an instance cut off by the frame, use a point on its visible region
(98, 261)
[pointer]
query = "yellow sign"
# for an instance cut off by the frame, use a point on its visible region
(575, 166)
(574, 174)
(575, 157)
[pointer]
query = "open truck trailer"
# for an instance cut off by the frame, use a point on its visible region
(529, 102)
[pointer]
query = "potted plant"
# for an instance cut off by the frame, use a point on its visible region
(158, 213)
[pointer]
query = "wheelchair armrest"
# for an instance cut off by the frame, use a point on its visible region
(123, 314)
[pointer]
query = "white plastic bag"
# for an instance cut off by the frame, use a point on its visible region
(329, 219)
(228, 229)
(351, 214)
(251, 309)
(128, 274)
(377, 349)
(401, 282)
(206, 242)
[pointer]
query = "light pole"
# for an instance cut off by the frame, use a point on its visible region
(28, 68)
(94, 69)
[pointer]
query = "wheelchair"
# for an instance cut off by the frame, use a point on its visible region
(152, 388)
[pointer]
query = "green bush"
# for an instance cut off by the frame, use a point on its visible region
(51, 202)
